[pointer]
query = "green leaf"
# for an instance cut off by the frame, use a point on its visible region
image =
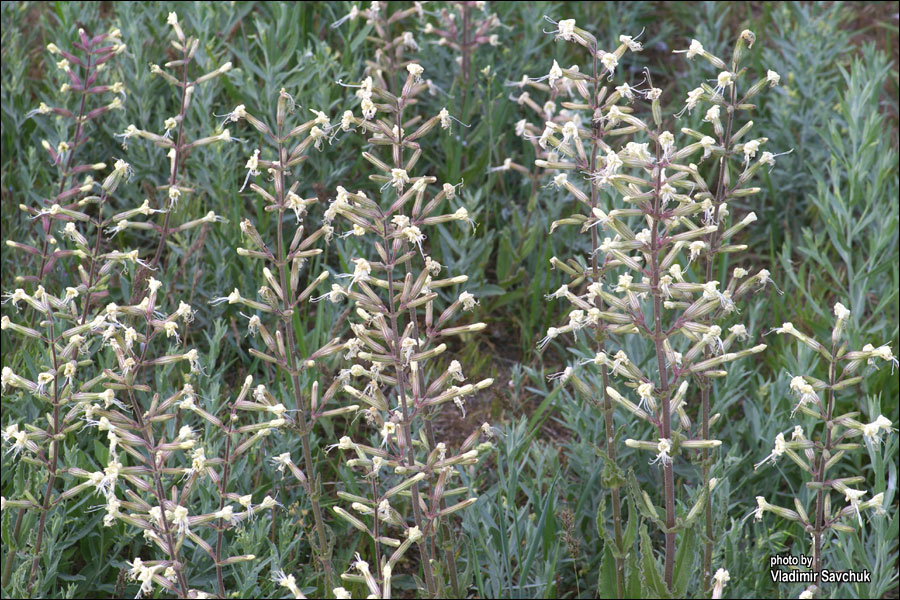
(633, 587)
(600, 520)
(613, 476)
(546, 509)
(638, 500)
(606, 582)
(685, 558)
(101, 452)
(465, 578)
(650, 574)
(631, 529)
(504, 257)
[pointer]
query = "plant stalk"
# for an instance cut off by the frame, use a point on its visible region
(608, 410)
(658, 337)
(223, 486)
(54, 453)
(401, 377)
(820, 471)
(179, 158)
(711, 253)
(324, 555)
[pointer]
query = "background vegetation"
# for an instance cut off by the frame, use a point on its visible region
(828, 232)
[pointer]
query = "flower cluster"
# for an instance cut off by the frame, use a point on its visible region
(82, 68)
(401, 338)
(106, 362)
(149, 454)
(655, 221)
(48, 295)
(173, 139)
(287, 285)
(104, 355)
(818, 450)
(464, 27)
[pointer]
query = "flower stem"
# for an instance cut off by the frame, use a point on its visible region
(179, 158)
(608, 410)
(658, 338)
(711, 253)
(820, 470)
(54, 452)
(401, 374)
(223, 487)
(322, 551)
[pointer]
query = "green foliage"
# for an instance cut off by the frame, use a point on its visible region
(828, 231)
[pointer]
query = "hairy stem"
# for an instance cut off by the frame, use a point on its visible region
(446, 537)
(179, 158)
(93, 258)
(401, 378)
(396, 332)
(658, 338)
(223, 487)
(465, 44)
(64, 175)
(155, 463)
(54, 452)
(289, 299)
(823, 459)
(404, 407)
